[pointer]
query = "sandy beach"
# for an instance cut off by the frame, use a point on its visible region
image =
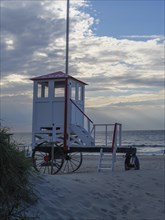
(89, 195)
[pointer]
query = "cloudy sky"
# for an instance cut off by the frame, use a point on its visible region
(117, 47)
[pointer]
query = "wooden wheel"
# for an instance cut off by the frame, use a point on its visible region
(42, 158)
(72, 162)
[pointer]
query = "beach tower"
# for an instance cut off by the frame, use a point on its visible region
(58, 111)
(61, 130)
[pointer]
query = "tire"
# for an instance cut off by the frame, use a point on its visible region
(131, 162)
(136, 162)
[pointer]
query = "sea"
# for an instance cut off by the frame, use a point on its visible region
(147, 142)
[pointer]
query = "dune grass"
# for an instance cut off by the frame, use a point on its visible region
(15, 189)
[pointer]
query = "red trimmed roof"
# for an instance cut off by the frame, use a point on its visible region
(56, 75)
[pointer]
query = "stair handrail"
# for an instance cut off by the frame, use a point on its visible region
(88, 119)
(81, 111)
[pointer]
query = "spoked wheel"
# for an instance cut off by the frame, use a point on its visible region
(72, 162)
(42, 159)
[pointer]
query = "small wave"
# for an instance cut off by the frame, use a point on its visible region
(145, 146)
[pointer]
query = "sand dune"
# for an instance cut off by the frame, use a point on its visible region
(89, 195)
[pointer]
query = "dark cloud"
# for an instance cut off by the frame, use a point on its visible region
(106, 82)
(139, 80)
(30, 33)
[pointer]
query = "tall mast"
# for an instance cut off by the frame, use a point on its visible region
(66, 82)
(67, 38)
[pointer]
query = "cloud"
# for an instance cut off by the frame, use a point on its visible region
(125, 99)
(122, 72)
(159, 37)
(28, 30)
(38, 27)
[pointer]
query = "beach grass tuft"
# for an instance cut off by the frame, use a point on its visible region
(16, 192)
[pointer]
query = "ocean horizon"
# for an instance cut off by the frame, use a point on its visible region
(146, 141)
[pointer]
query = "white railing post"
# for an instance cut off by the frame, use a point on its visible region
(54, 134)
(106, 135)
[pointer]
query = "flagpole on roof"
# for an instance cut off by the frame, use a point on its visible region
(67, 38)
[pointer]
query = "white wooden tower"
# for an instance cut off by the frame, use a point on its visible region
(58, 111)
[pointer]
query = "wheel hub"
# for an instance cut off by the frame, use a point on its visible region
(68, 157)
(46, 158)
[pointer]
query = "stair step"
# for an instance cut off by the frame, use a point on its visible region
(82, 136)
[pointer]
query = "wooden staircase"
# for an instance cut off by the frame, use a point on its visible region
(80, 136)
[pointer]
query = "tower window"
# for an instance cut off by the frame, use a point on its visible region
(59, 89)
(42, 90)
(73, 92)
(80, 93)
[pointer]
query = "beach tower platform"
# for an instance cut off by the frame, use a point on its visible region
(61, 130)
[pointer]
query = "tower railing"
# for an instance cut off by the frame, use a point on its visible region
(87, 122)
(108, 135)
